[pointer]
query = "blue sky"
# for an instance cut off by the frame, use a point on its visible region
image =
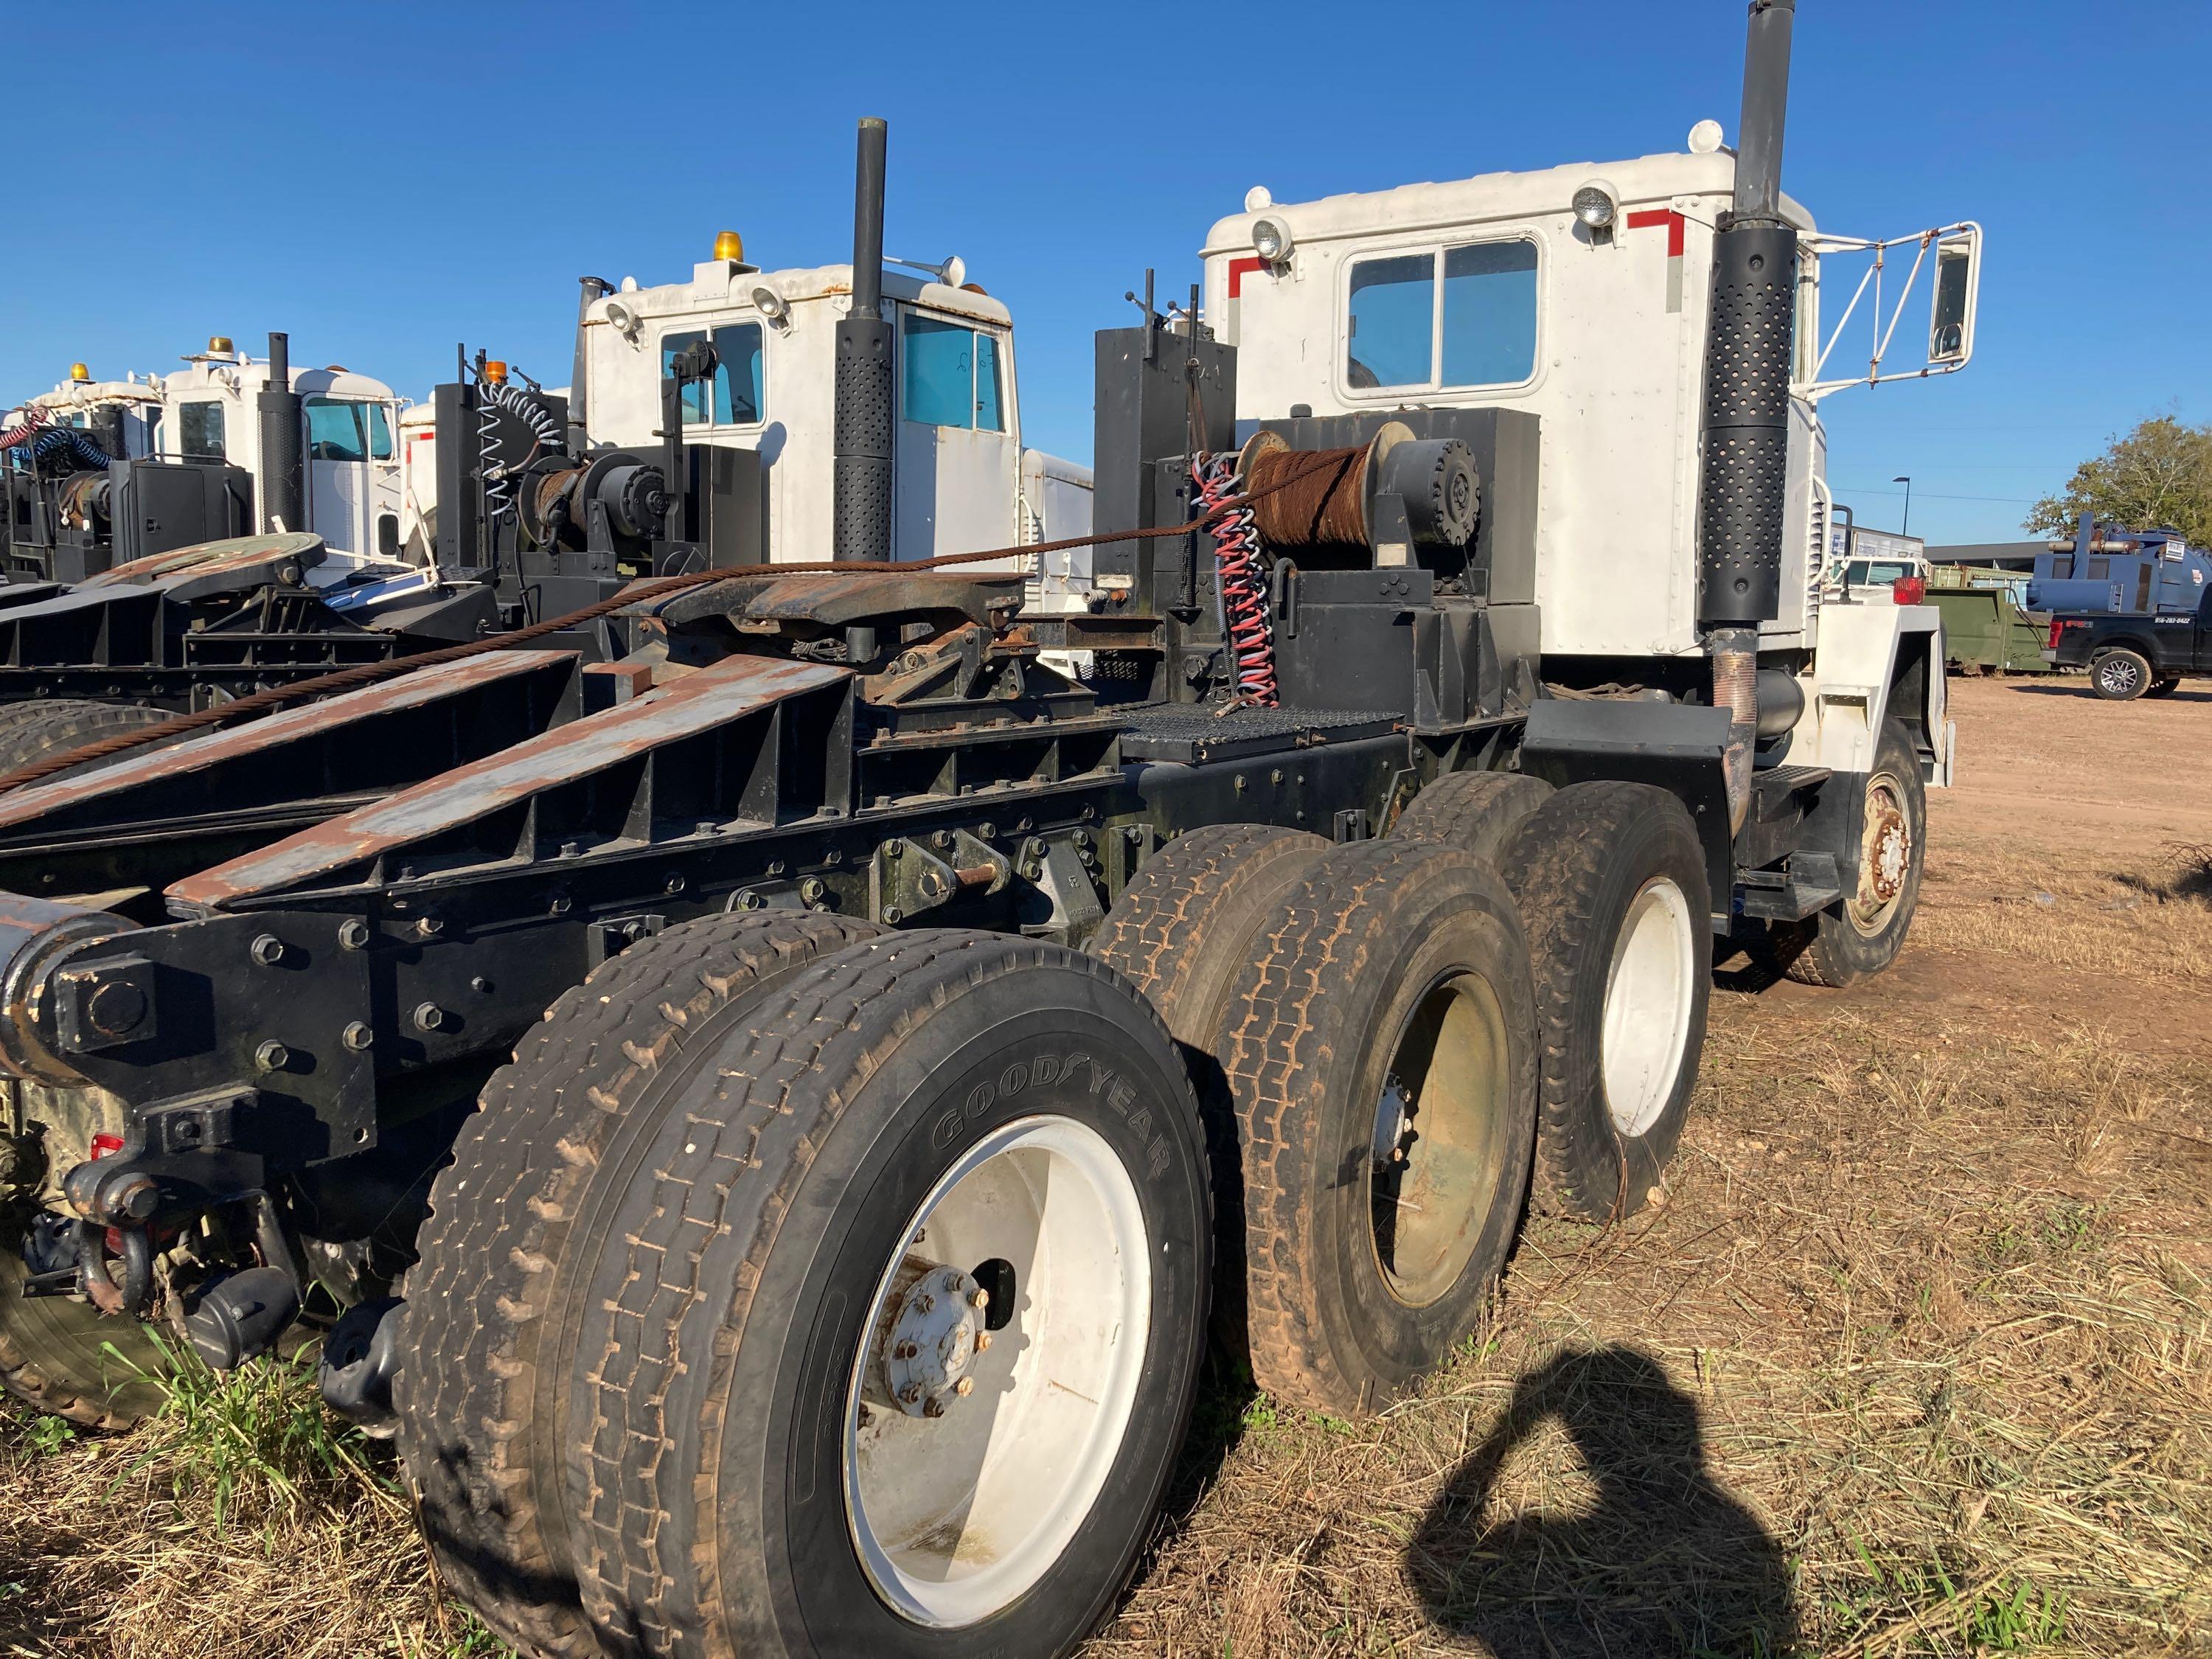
(382, 181)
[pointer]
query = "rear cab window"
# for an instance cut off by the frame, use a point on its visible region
(199, 431)
(737, 394)
(1458, 317)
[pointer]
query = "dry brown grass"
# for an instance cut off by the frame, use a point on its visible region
(2127, 912)
(243, 1522)
(1917, 1359)
(1913, 1361)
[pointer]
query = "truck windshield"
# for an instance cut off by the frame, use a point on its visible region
(1873, 573)
(1473, 326)
(734, 397)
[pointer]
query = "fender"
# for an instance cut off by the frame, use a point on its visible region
(1873, 661)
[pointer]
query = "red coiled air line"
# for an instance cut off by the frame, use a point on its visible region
(1244, 619)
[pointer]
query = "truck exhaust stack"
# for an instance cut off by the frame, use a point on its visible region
(1745, 436)
(865, 419)
(283, 464)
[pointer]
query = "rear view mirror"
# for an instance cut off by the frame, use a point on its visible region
(1888, 273)
(1951, 326)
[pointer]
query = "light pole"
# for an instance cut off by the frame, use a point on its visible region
(1905, 529)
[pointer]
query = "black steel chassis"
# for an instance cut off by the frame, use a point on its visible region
(334, 954)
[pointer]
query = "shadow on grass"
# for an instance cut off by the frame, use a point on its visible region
(1663, 1560)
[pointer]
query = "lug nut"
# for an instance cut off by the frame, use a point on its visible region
(932, 1406)
(267, 950)
(893, 915)
(812, 889)
(354, 935)
(905, 1350)
(925, 1302)
(982, 1340)
(429, 1017)
(979, 1298)
(271, 1056)
(911, 1393)
(358, 1036)
(964, 1387)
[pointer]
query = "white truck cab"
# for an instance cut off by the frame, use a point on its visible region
(963, 479)
(77, 401)
(351, 442)
(1582, 293)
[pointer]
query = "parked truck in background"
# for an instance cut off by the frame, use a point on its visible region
(103, 473)
(2134, 653)
(963, 479)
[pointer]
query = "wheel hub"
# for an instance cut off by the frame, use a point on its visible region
(1889, 853)
(1394, 1124)
(936, 1332)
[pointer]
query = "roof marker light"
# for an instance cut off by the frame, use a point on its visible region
(1706, 137)
(728, 245)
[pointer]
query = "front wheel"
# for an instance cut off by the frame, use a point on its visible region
(1863, 932)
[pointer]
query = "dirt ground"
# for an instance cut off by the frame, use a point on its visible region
(1914, 1359)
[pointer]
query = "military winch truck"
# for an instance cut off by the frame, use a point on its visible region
(769, 1121)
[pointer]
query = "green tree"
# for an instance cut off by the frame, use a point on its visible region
(2159, 476)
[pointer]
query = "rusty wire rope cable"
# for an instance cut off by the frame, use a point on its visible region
(347, 679)
(1311, 498)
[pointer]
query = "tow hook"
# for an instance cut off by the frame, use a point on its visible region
(130, 1298)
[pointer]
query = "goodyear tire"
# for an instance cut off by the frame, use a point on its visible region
(1611, 881)
(66, 1358)
(1380, 1048)
(1862, 934)
(2120, 675)
(1476, 811)
(477, 1397)
(919, 1143)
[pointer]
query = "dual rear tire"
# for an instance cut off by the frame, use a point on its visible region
(804, 1287)
(848, 1295)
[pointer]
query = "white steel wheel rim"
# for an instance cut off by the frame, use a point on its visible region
(1649, 991)
(954, 1518)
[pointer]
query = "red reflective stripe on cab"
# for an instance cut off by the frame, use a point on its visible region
(1652, 217)
(1237, 269)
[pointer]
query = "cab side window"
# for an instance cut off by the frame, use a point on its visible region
(334, 431)
(951, 375)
